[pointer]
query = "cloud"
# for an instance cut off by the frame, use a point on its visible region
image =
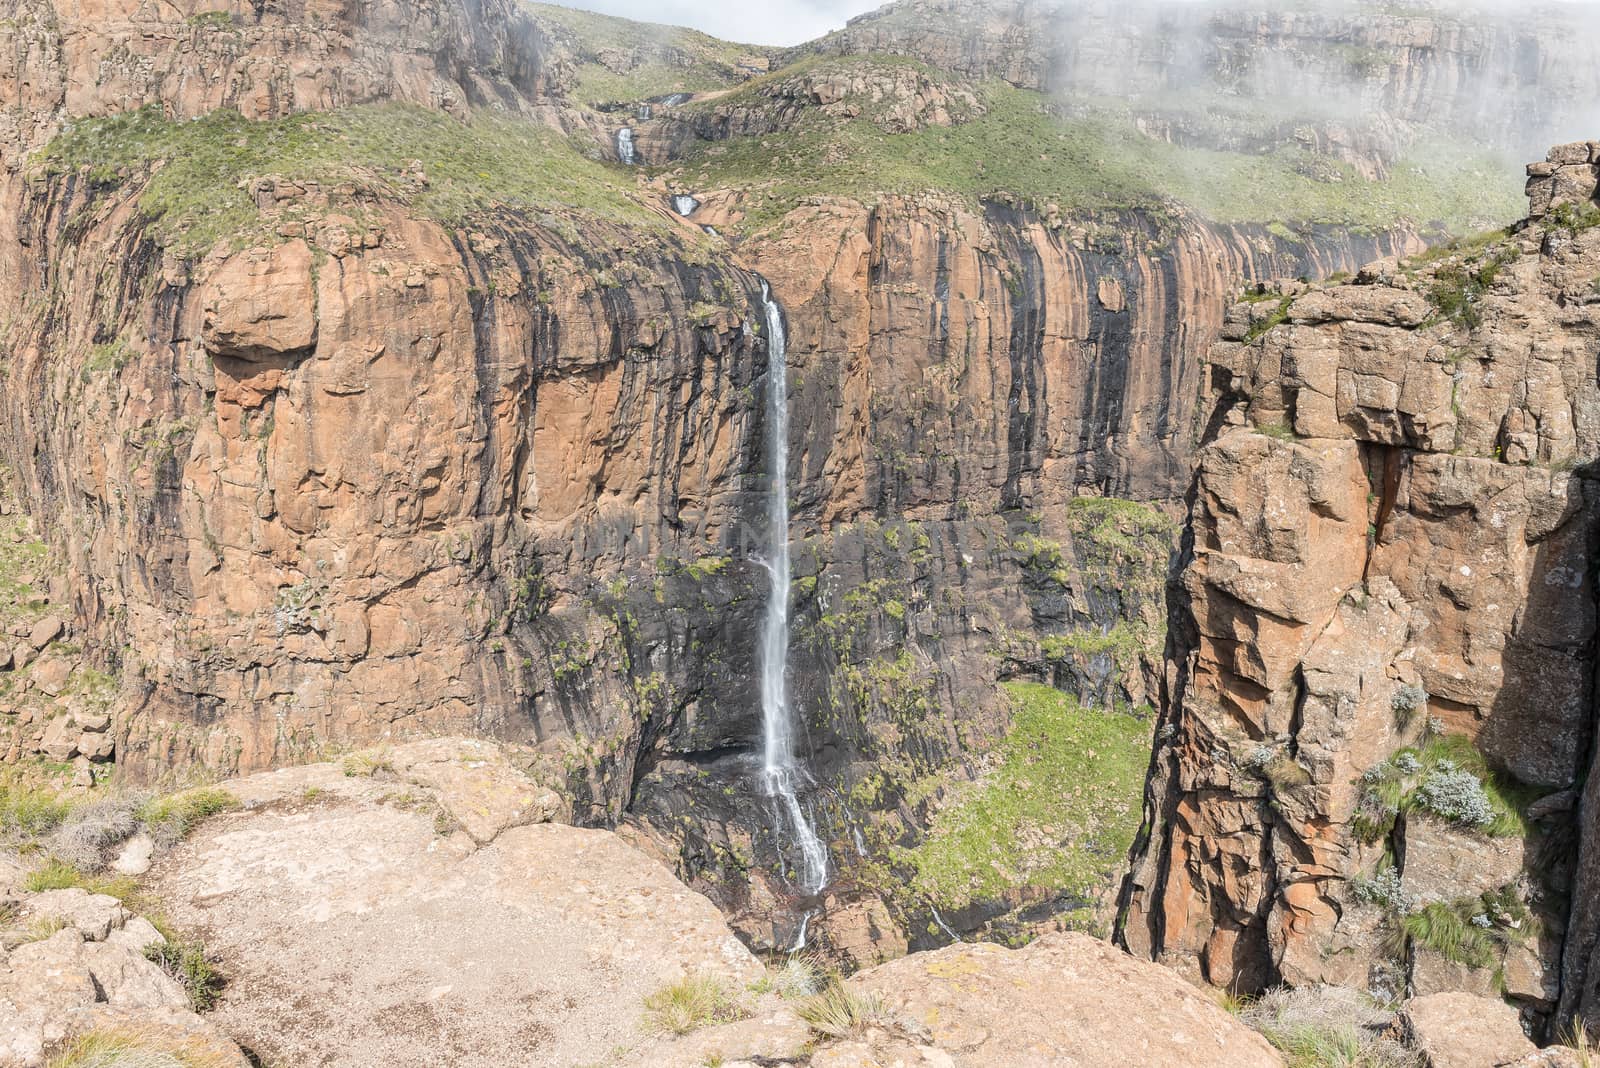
(774, 22)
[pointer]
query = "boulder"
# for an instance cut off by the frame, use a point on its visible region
(134, 857)
(97, 747)
(45, 631)
(94, 916)
(60, 739)
(50, 675)
(93, 721)
(262, 304)
(1464, 1031)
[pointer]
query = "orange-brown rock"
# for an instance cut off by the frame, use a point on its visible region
(1392, 542)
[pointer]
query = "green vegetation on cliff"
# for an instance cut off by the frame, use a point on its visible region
(197, 192)
(1055, 815)
(1091, 161)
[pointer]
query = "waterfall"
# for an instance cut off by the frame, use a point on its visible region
(782, 776)
(645, 112)
(625, 145)
(684, 204)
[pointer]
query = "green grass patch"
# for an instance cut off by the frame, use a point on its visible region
(659, 59)
(195, 198)
(57, 874)
(171, 818)
(1449, 778)
(1092, 160)
(1057, 814)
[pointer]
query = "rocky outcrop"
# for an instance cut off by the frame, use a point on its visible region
(411, 901)
(73, 966)
(1066, 1000)
(1380, 697)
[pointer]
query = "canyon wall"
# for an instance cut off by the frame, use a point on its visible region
(1379, 706)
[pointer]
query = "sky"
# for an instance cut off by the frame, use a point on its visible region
(768, 22)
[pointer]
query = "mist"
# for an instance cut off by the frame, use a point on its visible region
(785, 23)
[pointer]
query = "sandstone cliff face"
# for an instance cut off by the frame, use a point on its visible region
(1389, 566)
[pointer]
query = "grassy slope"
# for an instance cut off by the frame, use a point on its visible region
(676, 60)
(1095, 161)
(1057, 814)
(195, 196)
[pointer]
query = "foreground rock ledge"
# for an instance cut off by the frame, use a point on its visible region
(421, 912)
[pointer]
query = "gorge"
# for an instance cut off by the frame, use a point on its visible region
(996, 472)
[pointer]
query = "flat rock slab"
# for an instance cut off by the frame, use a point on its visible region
(1464, 1031)
(1064, 1001)
(354, 934)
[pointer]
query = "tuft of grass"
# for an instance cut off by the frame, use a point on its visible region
(1327, 1027)
(57, 874)
(188, 963)
(170, 819)
(29, 808)
(799, 976)
(138, 1048)
(366, 763)
(1057, 813)
(836, 1011)
(691, 1003)
(42, 928)
(1575, 1036)
(53, 875)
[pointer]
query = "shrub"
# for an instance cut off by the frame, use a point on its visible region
(692, 1002)
(1276, 317)
(1457, 289)
(1383, 890)
(91, 831)
(1455, 795)
(1405, 702)
(836, 1011)
(187, 962)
